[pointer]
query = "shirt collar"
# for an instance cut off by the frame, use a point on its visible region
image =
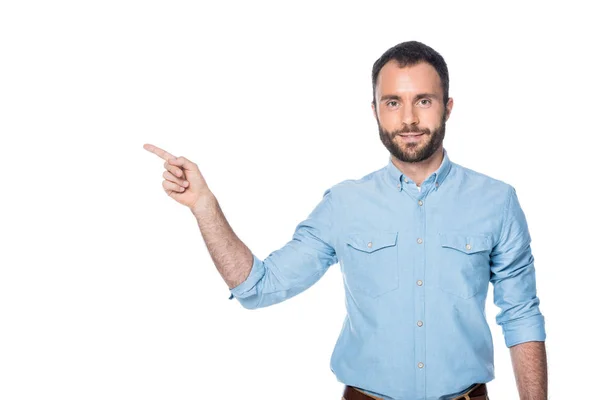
(397, 177)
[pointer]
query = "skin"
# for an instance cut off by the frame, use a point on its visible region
(408, 99)
(230, 255)
(530, 367)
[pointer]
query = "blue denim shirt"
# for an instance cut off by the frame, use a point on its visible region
(416, 266)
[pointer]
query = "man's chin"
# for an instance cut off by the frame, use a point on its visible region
(412, 155)
(410, 152)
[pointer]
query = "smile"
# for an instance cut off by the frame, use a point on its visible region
(411, 137)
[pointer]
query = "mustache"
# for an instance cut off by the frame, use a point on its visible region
(410, 129)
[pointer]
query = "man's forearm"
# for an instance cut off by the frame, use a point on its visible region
(230, 255)
(530, 368)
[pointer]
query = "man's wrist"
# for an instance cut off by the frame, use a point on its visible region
(204, 202)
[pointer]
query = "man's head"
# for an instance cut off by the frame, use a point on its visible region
(410, 97)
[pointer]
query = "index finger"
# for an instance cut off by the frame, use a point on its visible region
(165, 155)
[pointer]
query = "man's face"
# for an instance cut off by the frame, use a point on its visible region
(410, 111)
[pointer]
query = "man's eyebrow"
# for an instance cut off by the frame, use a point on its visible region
(426, 95)
(417, 97)
(389, 97)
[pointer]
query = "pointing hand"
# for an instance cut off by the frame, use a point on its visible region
(183, 180)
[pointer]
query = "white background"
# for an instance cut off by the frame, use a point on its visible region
(107, 290)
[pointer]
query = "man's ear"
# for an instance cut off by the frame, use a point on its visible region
(374, 109)
(449, 106)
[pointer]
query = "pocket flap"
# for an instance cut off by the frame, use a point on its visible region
(466, 243)
(371, 241)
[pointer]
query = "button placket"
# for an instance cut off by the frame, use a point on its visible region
(420, 272)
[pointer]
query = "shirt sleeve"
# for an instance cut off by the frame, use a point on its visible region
(296, 266)
(513, 277)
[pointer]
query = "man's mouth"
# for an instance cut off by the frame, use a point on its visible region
(411, 137)
(411, 134)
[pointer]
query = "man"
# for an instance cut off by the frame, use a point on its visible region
(418, 242)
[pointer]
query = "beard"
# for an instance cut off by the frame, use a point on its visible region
(415, 151)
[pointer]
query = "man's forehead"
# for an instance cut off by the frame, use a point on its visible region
(418, 78)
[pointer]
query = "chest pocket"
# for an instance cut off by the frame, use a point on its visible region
(370, 265)
(464, 264)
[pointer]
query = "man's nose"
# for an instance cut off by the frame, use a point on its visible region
(409, 117)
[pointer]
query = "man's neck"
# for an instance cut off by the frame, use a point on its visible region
(419, 171)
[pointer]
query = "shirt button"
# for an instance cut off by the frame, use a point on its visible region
(420, 202)
(419, 323)
(421, 365)
(419, 240)
(437, 184)
(370, 244)
(420, 282)
(405, 180)
(398, 186)
(468, 247)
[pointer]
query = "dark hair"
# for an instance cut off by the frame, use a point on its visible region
(410, 53)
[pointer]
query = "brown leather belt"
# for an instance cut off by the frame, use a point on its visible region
(479, 392)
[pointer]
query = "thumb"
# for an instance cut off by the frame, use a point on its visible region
(182, 162)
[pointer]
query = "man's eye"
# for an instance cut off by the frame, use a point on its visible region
(427, 102)
(392, 103)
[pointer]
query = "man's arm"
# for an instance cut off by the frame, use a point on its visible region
(185, 184)
(531, 371)
(285, 272)
(523, 325)
(254, 282)
(230, 255)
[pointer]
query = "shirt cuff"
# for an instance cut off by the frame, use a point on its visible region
(531, 329)
(248, 287)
